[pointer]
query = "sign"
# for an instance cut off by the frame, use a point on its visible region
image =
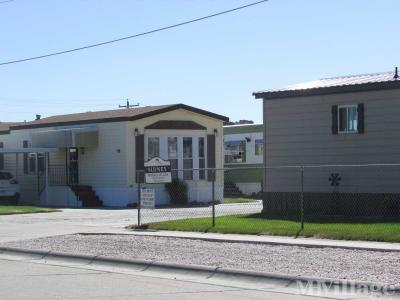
(157, 170)
(147, 198)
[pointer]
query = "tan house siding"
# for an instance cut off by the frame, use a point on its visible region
(298, 132)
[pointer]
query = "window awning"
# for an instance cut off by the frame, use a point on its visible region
(233, 143)
(65, 138)
(27, 150)
(176, 125)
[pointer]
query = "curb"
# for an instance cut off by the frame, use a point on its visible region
(153, 233)
(207, 271)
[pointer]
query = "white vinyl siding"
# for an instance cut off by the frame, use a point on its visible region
(106, 164)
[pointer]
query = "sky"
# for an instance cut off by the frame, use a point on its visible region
(214, 65)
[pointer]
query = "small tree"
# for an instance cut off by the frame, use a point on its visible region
(177, 191)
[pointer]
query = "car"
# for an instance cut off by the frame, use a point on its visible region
(9, 187)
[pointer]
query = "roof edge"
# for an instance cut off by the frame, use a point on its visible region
(364, 87)
(123, 119)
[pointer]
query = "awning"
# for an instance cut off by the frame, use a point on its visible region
(28, 150)
(66, 138)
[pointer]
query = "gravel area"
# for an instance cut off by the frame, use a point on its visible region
(374, 266)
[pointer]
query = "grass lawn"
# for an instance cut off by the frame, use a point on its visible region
(238, 200)
(23, 209)
(254, 224)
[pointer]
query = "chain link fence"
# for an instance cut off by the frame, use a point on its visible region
(275, 199)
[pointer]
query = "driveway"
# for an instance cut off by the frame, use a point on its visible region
(69, 221)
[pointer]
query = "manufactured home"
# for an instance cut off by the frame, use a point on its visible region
(243, 146)
(94, 158)
(327, 125)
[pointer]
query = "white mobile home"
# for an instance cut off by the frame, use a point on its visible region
(98, 154)
(243, 145)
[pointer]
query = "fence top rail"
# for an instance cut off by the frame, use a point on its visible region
(243, 167)
(335, 165)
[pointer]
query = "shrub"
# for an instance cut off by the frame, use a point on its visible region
(177, 191)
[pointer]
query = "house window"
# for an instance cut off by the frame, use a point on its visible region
(235, 152)
(187, 158)
(153, 147)
(173, 155)
(32, 162)
(36, 163)
(259, 146)
(202, 159)
(347, 118)
(41, 163)
(1, 157)
(187, 154)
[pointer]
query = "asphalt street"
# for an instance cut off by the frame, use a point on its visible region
(30, 280)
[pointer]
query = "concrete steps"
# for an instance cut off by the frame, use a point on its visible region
(87, 195)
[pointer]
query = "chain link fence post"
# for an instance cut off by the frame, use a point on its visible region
(302, 198)
(138, 201)
(213, 198)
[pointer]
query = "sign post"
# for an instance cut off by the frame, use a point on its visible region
(156, 170)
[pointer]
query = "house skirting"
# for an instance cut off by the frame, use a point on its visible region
(288, 204)
(249, 188)
(122, 197)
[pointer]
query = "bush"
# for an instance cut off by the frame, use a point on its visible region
(177, 191)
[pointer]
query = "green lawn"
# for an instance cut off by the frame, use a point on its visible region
(238, 200)
(23, 209)
(254, 224)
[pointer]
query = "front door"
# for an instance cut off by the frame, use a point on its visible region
(73, 166)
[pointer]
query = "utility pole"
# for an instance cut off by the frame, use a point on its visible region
(128, 105)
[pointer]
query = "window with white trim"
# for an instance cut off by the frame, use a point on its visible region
(258, 147)
(347, 119)
(1, 157)
(202, 159)
(187, 158)
(36, 163)
(153, 147)
(235, 151)
(187, 154)
(173, 155)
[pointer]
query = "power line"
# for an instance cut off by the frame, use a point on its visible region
(60, 101)
(5, 1)
(135, 35)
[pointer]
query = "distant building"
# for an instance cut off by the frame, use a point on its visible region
(243, 145)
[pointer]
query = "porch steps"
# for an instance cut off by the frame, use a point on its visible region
(87, 195)
(231, 190)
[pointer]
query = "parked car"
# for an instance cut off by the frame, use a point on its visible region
(9, 187)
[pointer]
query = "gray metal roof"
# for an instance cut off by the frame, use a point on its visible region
(340, 84)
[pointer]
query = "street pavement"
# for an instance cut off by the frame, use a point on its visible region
(30, 280)
(69, 221)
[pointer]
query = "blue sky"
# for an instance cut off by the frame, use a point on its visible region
(214, 65)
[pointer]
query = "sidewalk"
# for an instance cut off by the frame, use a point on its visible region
(270, 240)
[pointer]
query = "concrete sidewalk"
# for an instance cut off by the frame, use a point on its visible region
(270, 240)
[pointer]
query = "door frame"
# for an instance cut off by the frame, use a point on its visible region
(73, 169)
